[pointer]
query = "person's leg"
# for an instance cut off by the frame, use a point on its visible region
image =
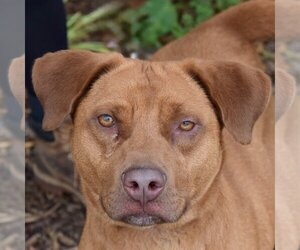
(45, 32)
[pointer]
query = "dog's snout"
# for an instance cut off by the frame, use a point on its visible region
(144, 184)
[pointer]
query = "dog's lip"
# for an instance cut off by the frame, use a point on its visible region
(135, 214)
(142, 219)
(132, 213)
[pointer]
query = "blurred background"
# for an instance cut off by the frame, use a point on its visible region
(135, 26)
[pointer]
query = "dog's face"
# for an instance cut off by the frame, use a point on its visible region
(148, 121)
(147, 135)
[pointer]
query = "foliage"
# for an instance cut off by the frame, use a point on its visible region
(155, 23)
(92, 46)
(81, 26)
(156, 18)
(153, 20)
(224, 4)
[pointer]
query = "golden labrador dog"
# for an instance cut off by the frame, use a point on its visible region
(176, 152)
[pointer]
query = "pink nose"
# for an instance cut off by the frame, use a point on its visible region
(144, 184)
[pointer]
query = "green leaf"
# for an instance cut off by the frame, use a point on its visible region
(187, 20)
(92, 46)
(179, 31)
(102, 12)
(153, 20)
(224, 4)
(203, 9)
(73, 19)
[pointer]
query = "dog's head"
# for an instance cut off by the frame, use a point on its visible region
(147, 135)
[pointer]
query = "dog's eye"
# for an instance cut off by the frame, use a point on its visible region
(106, 121)
(187, 125)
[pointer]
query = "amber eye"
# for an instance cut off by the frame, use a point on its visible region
(106, 121)
(187, 125)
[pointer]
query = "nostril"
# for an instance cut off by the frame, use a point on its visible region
(133, 185)
(153, 185)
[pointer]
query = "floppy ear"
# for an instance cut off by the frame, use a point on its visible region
(61, 78)
(239, 93)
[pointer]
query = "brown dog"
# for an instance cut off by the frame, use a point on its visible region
(167, 152)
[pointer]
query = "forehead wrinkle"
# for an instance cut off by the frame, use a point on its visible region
(116, 73)
(144, 103)
(155, 74)
(170, 106)
(147, 84)
(169, 101)
(159, 69)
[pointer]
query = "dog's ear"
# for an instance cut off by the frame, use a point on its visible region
(61, 78)
(239, 93)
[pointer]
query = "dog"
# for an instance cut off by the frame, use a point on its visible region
(176, 152)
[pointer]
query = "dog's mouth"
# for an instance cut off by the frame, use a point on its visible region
(133, 213)
(136, 215)
(142, 219)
